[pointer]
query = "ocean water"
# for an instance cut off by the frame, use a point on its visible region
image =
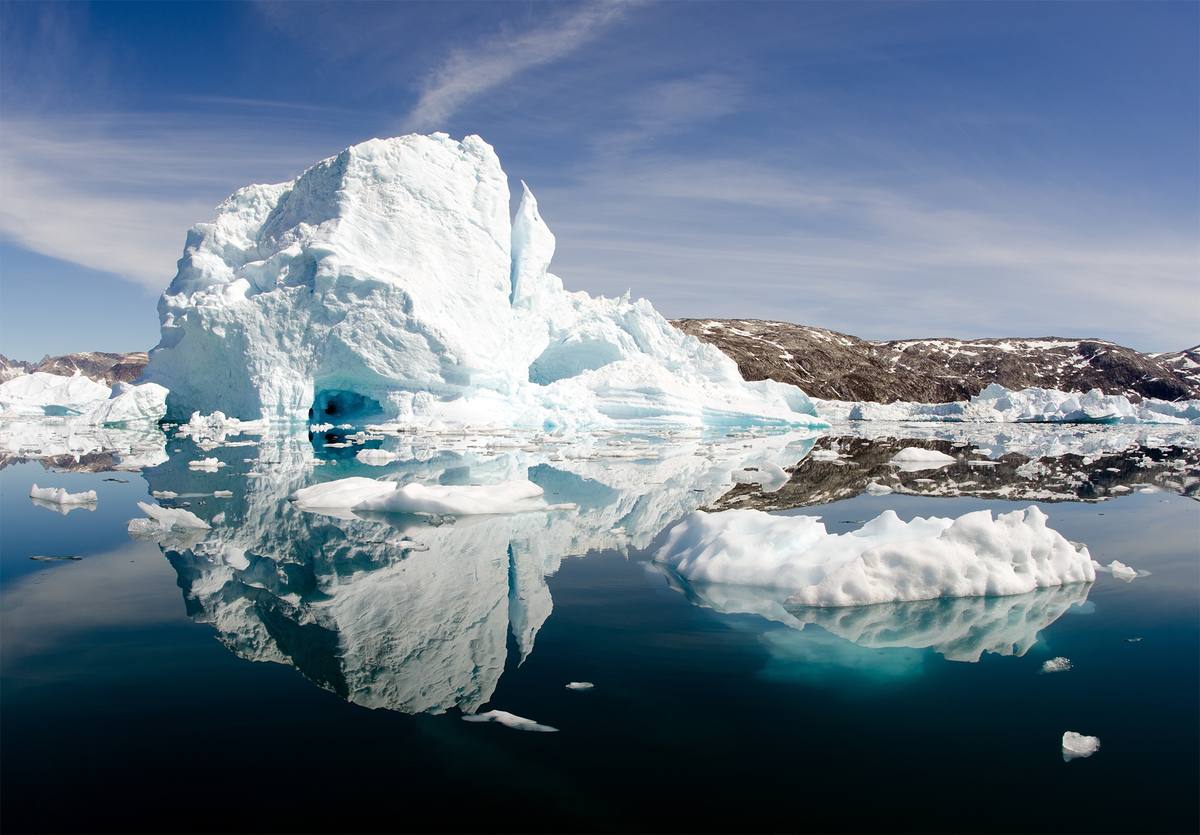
(303, 672)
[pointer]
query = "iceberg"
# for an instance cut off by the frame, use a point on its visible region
(387, 284)
(1058, 664)
(84, 401)
(61, 496)
(886, 560)
(508, 497)
(510, 720)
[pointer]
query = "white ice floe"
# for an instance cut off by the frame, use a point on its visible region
(512, 496)
(58, 495)
(914, 459)
(173, 517)
(127, 404)
(1121, 571)
(997, 404)
(376, 457)
(1057, 665)
(769, 475)
(342, 493)
(580, 685)
(884, 561)
(876, 489)
(209, 465)
(388, 283)
(223, 494)
(1076, 746)
(509, 720)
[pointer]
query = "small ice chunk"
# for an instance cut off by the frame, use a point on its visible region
(171, 517)
(914, 459)
(58, 495)
(509, 720)
(580, 685)
(376, 457)
(407, 544)
(223, 494)
(1057, 665)
(208, 465)
(164, 494)
(876, 489)
(1075, 746)
(1121, 571)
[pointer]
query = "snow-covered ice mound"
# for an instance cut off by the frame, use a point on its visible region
(389, 283)
(886, 560)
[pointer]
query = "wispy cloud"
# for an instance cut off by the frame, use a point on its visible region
(471, 71)
(118, 193)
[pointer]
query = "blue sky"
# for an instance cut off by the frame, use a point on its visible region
(888, 170)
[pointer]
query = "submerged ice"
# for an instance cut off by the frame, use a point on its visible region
(388, 284)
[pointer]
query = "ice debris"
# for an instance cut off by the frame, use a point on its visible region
(1057, 665)
(997, 404)
(389, 284)
(58, 495)
(509, 720)
(886, 560)
(208, 465)
(1121, 571)
(376, 457)
(1076, 746)
(580, 685)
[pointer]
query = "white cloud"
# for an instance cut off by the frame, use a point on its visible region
(119, 193)
(471, 71)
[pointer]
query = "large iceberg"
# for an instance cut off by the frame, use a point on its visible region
(389, 283)
(83, 401)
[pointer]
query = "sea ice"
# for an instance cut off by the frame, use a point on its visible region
(1121, 571)
(342, 493)
(1057, 665)
(1075, 746)
(173, 517)
(885, 560)
(58, 495)
(580, 685)
(208, 465)
(388, 284)
(510, 720)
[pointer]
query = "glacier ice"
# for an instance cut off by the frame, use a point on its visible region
(997, 404)
(61, 496)
(388, 284)
(1076, 746)
(886, 560)
(510, 720)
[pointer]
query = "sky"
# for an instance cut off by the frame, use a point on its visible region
(890, 170)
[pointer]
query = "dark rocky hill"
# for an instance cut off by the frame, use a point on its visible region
(837, 366)
(100, 366)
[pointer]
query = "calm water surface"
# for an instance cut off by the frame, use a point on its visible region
(303, 672)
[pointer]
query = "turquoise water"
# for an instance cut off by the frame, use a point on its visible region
(293, 671)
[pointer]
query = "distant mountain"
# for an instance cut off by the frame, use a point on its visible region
(837, 366)
(99, 366)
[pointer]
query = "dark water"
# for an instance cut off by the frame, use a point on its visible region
(121, 711)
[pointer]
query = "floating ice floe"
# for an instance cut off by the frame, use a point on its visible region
(997, 404)
(388, 284)
(1077, 746)
(1120, 570)
(343, 493)
(209, 465)
(914, 459)
(886, 560)
(58, 495)
(512, 496)
(1057, 665)
(769, 475)
(580, 685)
(509, 720)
